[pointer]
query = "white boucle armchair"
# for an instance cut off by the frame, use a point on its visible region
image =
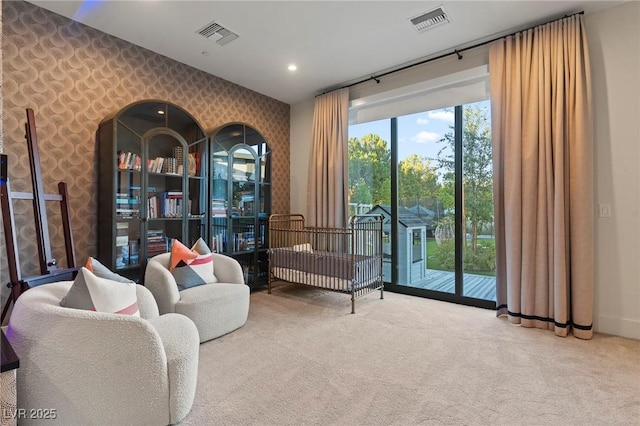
(101, 368)
(216, 309)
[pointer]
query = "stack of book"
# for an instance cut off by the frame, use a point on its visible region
(157, 242)
(127, 207)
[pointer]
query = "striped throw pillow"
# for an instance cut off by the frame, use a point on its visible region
(94, 293)
(189, 268)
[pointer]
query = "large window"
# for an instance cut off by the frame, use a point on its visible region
(437, 194)
(369, 166)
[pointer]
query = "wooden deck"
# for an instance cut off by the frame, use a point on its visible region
(478, 286)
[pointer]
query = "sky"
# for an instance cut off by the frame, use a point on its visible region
(417, 133)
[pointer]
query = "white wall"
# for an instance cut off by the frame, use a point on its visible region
(300, 145)
(614, 43)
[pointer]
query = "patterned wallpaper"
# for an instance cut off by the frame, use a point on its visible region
(73, 76)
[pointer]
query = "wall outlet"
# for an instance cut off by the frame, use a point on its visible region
(605, 210)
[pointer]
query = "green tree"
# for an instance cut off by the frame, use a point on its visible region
(360, 193)
(369, 170)
(476, 168)
(417, 180)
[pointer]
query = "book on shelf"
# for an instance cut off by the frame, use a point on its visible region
(171, 204)
(156, 242)
(159, 163)
(169, 166)
(263, 228)
(158, 247)
(218, 243)
(129, 161)
(126, 200)
(250, 240)
(122, 229)
(127, 213)
(155, 165)
(155, 235)
(121, 158)
(241, 242)
(152, 207)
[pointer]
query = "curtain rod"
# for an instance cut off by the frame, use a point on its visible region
(457, 52)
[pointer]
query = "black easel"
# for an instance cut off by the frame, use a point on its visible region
(48, 265)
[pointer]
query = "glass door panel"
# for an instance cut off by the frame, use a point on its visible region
(241, 196)
(243, 199)
(197, 186)
(219, 195)
(477, 215)
(128, 198)
(425, 233)
(128, 223)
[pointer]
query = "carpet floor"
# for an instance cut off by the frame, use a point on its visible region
(303, 359)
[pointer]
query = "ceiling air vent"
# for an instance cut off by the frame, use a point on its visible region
(217, 32)
(428, 20)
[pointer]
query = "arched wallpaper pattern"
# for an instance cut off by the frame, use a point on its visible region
(73, 76)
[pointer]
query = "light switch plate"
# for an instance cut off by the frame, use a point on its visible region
(605, 210)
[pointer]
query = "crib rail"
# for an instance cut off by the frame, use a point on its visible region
(347, 260)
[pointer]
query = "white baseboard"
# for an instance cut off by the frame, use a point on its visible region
(618, 326)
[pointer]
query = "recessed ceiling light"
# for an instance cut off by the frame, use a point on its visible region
(292, 67)
(161, 111)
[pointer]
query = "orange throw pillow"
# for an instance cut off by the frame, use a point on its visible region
(180, 253)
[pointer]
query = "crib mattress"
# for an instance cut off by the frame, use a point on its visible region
(323, 281)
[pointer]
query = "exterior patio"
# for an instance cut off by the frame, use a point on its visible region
(477, 286)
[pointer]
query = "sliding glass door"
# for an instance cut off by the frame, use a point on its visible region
(429, 174)
(476, 215)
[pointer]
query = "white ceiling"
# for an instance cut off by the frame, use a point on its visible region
(331, 42)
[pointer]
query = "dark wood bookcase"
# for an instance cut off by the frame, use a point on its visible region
(153, 184)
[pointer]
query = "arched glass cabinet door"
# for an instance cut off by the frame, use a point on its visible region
(153, 185)
(241, 198)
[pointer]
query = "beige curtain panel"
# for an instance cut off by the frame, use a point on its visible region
(543, 177)
(327, 194)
